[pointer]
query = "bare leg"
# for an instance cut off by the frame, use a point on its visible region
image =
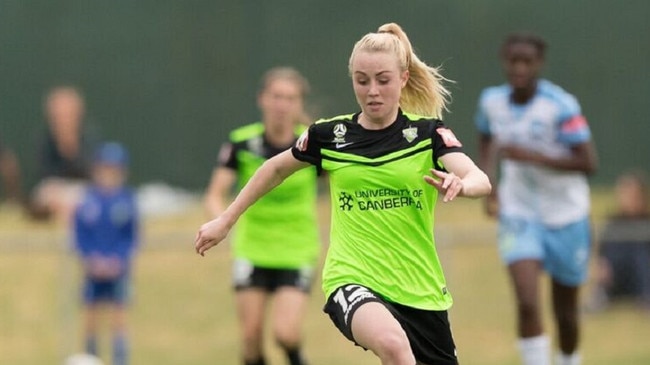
(565, 310)
(91, 324)
(120, 341)
(533, 344)
(375, 328)
(289, 310)
(251, 305)
(525, 280)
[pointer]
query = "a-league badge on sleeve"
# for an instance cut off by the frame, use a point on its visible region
(301, 143)
(448, 137)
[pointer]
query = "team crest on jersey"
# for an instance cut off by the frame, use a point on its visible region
(448, 137)
(301, 143)
(410, 134)
(339, 133)
(256, 146)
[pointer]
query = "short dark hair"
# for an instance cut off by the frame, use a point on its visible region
(525, 37)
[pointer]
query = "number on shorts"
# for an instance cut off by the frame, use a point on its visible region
(346, 295)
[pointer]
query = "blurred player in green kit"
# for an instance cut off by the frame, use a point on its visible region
(276, 243)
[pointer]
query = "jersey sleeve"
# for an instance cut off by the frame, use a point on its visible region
(480, 118)
(307, 147)
(444, 142)
(573, 126)
(228, 156)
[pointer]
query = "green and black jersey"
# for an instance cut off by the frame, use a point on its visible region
(382, 210)
(280, 230)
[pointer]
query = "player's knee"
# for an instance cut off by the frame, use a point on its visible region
(528, 309)
(392, 345)
(287, 337)
(252, 337)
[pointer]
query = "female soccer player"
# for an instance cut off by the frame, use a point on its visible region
(384, 282)
(537, 132)
(276, 245)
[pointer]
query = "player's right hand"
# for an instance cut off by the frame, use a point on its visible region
(210, 234)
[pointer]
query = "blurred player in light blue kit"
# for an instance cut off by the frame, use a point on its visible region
(106, 235)
(537, 134)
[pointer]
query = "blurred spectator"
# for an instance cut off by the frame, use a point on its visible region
(10, 174)
(106, 235)
(623, 266)
(64, 155)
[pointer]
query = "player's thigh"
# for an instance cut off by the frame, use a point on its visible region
(372, 324)
(289, 306)
(250, 304)
(524, 275)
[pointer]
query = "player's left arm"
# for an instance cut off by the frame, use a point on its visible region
(462, 178)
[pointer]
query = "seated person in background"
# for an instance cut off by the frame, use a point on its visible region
(10, 175)
(64, 156)
(623, 266)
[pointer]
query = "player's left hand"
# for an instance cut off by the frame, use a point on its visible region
(447, 183)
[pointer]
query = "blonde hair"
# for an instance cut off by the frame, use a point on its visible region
(424, 93)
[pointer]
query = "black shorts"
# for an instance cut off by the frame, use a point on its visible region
(428, 331)
(245, 275)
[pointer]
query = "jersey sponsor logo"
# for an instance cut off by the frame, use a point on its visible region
(410, 134)
(341, 145)
(380, 199)
(345, 201)
(448, 137)
(256, 146)
(301, 143)
(339, 133)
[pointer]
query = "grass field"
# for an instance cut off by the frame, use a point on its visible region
(182, 309)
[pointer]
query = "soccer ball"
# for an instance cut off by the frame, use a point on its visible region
(83, 359)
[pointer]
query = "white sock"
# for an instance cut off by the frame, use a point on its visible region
(564, 359)
(535, 350)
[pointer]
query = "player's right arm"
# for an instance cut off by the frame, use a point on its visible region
(267, 177)
(221, 183)
(224, 176)
(488, 161)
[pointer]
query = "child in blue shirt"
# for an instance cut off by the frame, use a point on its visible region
(106, 235)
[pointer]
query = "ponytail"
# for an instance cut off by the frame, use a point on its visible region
(424, 93)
